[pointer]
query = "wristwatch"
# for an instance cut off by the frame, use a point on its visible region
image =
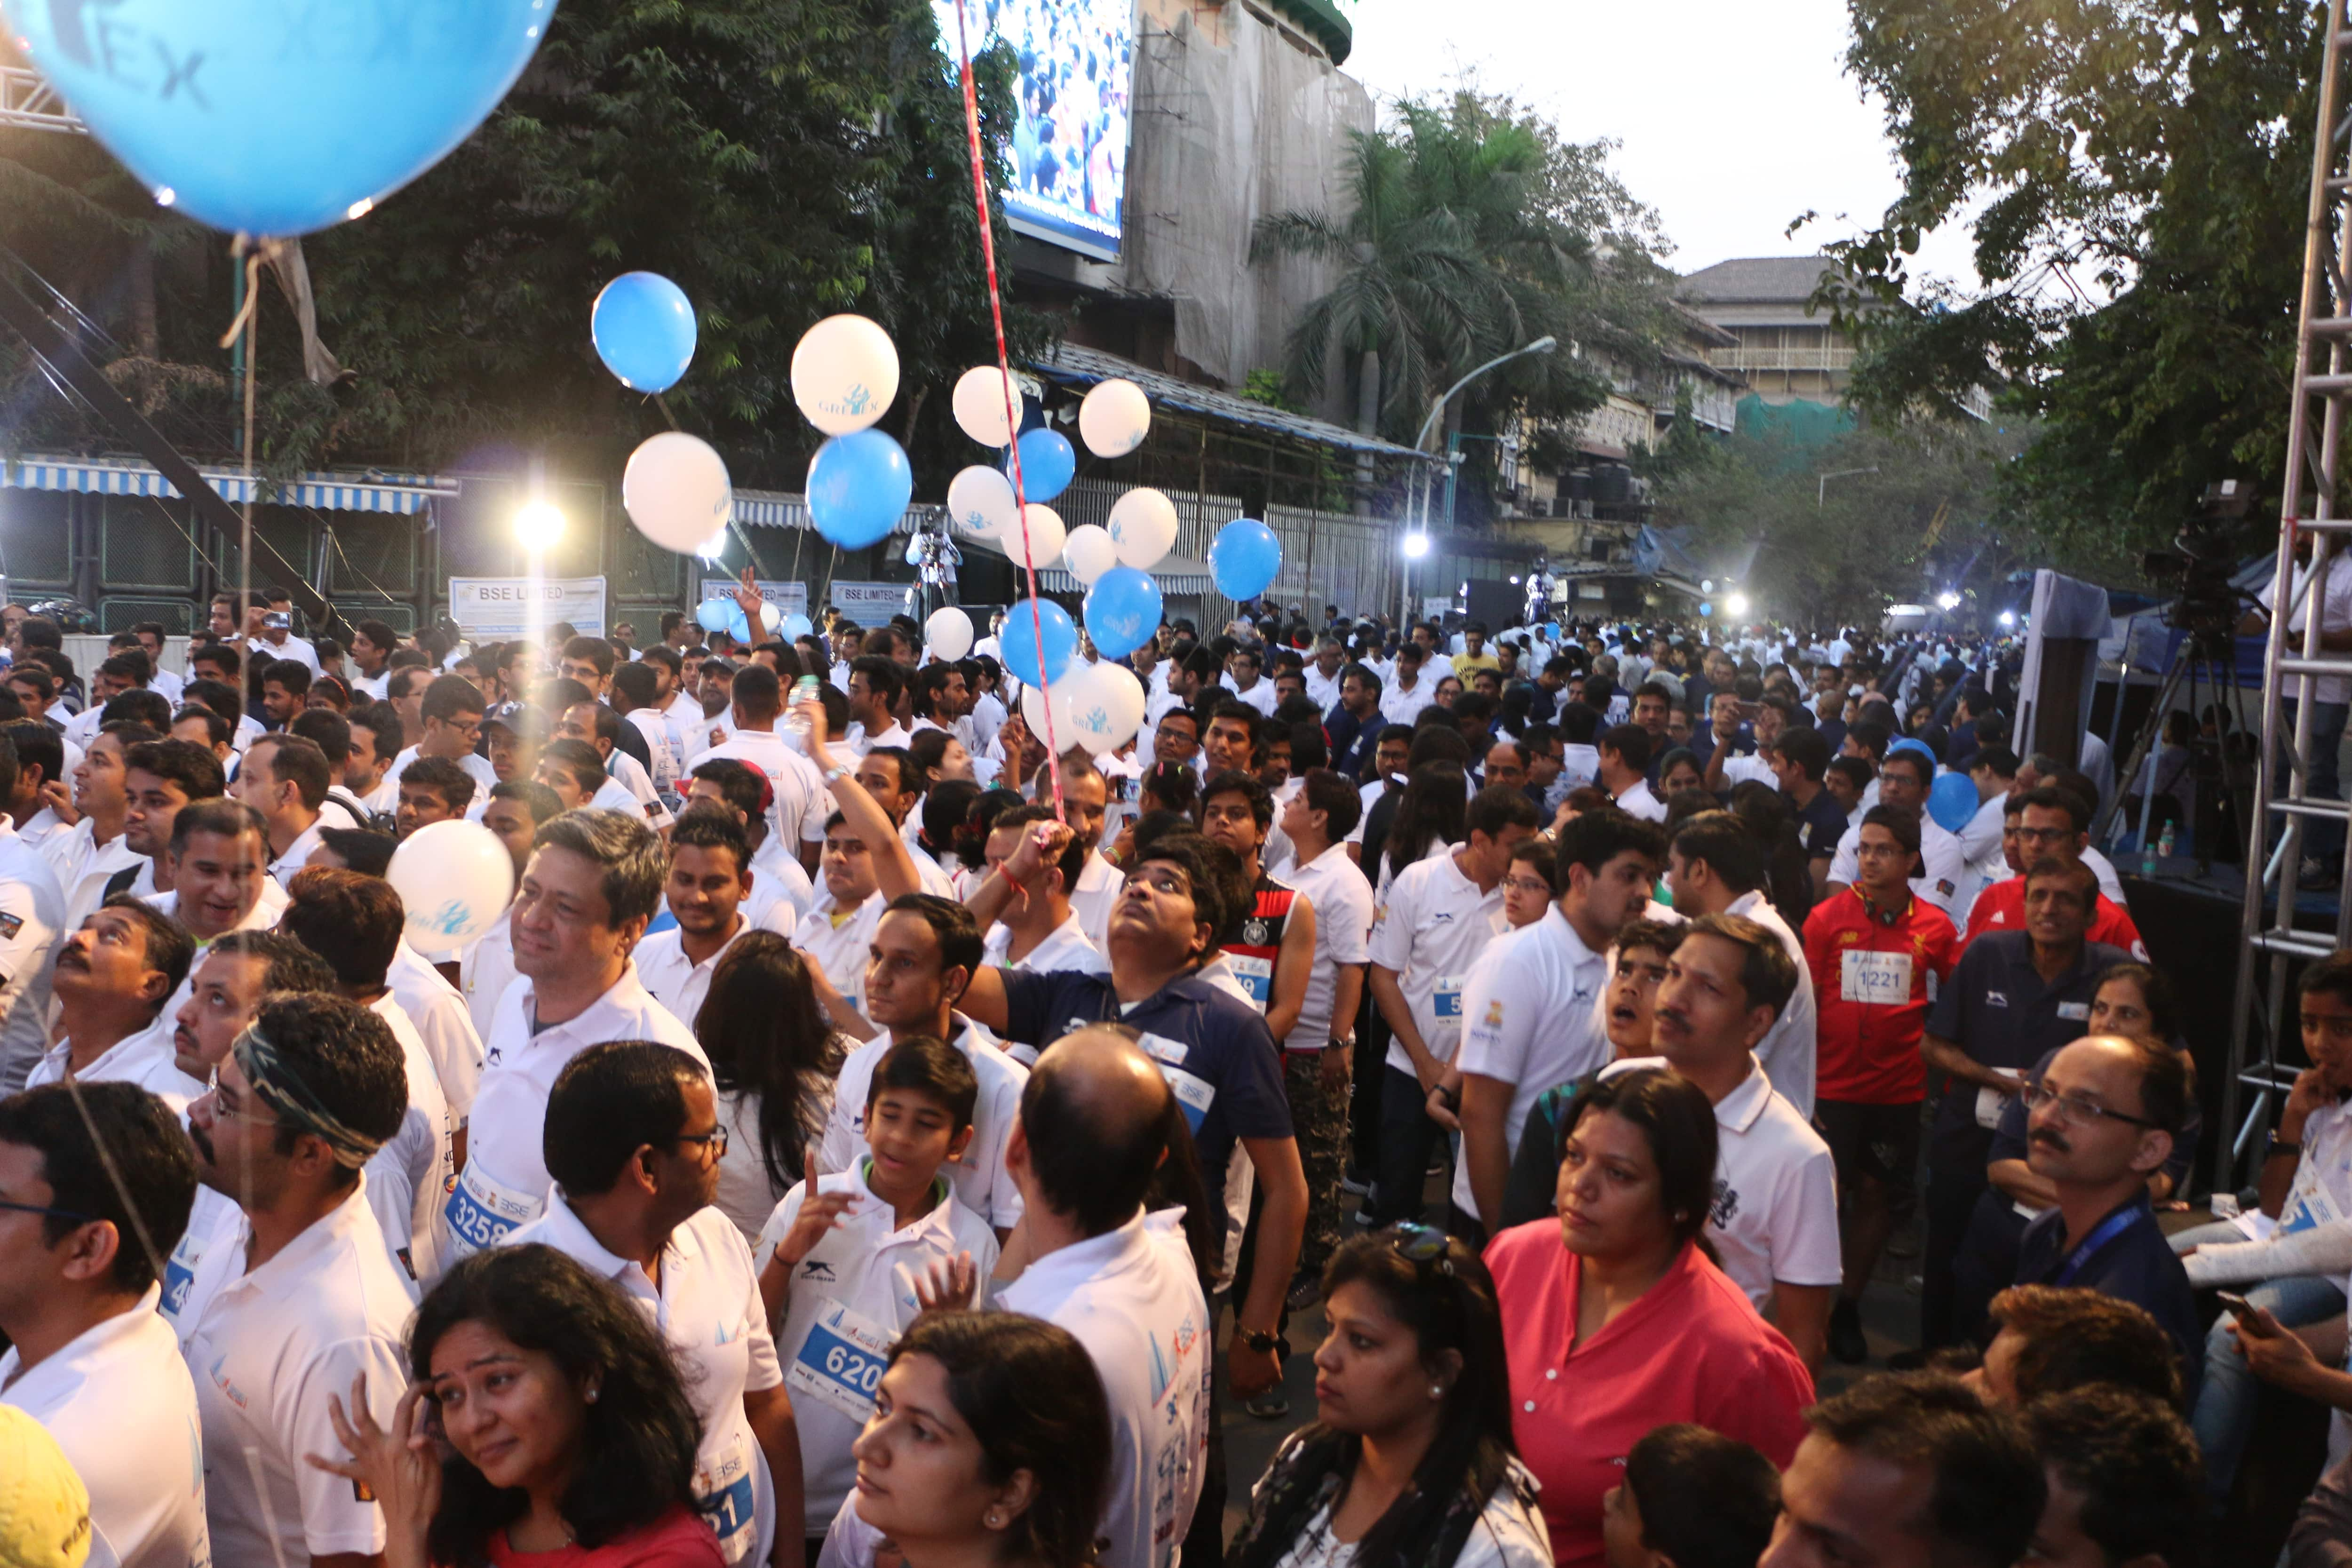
(2279, 1145)
(1261, 1342)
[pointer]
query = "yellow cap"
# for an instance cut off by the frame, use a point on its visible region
(44, 1507)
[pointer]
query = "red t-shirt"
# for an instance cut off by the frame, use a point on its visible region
(1865, 1041)
(1691, 1349)
(678, 1539)
(2001, 907)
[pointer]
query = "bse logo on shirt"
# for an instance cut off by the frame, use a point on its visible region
(1724, 1206)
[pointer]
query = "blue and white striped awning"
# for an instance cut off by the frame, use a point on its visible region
(403, 494)
(781, 509)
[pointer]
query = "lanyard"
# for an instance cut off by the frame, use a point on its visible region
(2107, 1229)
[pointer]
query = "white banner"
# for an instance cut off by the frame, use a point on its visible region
(789, 598)
(500, 609)
(1437, 605)
(869, 604)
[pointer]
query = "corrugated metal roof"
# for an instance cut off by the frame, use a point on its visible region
(1077, 366)
(1756, 279)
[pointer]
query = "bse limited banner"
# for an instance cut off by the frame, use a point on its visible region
(501, 609)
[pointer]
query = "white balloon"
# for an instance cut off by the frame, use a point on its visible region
(456, 879)
(770, 617)
(1106, 705)
(844, 374)
(1047, 534)
(1114, 419)
(1033, 711)
(949, 633)
(676, 490)
(980, 503)
(1143, 527)
(1088, 553)
(979, 403)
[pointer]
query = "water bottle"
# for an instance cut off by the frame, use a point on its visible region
(2164, 844)
(796, 724)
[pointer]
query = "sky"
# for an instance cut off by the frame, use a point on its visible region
(1732, 118)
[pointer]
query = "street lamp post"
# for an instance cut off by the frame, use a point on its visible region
(1822, 491)
(1542, 345)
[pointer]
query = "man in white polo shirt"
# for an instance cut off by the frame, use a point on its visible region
(797, 813)
(90, 1358)
(1441, 915)
(709, 878)
(1716, 866)
(286, 779)
(295, 1298)
(1775, 1216)
(1529, 1017)
(590, 887)
(1039, 931)
(113, 978)
(875, 684)
(1903, 780)
(1625, 751)
(450, 716)
(32, 923)
(633, 1141)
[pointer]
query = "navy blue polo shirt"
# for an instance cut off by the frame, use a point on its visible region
(1820, 824)
(1215, 1049)
(1998, 1010)
(2134, 1264)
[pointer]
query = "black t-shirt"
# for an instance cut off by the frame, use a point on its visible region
(1212, 1047)
(1820, 826)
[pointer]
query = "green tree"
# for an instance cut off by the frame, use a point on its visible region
(781, 160)
(2134, 173)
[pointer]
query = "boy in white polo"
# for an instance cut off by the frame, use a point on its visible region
(591, 885)
(841, 1265)
(298, 1298)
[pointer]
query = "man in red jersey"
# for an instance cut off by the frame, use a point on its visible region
(1871, 948)
(2048, 822)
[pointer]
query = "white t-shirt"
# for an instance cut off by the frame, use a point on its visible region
(710, 1312)
(980, 1178)
(847, 1303)
(1529, 1021)
(676, 981)
(1943, 880)
(409, 1175)
(505, 1182)
(1344, 913)
(1130, 1296)
(2335, 616)
(485, 777)
(1787, 1049)
(802, 803)
(1775, 1210)
(840, 948)
(118, 1400)
(1431, 931)
(1639, 802)
(438, 1010)
(265, 1348)
(487, 969)
(1066, 947)
(1100, 883)
(32, 925)
(144, 1059)
(84, 867)
(781, 889)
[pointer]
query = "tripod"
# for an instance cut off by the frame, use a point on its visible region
(2211, 650)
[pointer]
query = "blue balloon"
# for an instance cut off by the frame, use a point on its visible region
(270, 119)
(1918, 747)
(795, 625)
(858, 488)
(1952, 801)
(1245, 557)
(1047, 465)
(711, 614)
(1021, 645)
(739, 624)
(644, 330)
(1706, 609)
(1122, 611)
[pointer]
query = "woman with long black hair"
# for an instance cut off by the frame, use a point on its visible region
(1410, 1462)
(570, 1440)
(1428, 818)
(773, 1057)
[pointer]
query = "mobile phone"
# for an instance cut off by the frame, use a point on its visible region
(2242, 1311)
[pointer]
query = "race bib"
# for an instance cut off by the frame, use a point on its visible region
(2312, 1206)
(1876, 979)
(2074, 1012)
(1256, 975)
(1992, 1102)
(725, 1496)
(479, 1213)
(1445, 1000)
(841, 1362)
(1195, 1094)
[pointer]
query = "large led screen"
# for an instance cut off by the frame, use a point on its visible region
(1069, 150)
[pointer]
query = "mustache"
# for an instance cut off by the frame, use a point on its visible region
(204, 1144)
(2050, 1141)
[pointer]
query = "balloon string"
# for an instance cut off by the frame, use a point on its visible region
(1012, 424)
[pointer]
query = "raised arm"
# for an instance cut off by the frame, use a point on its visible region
(894, 866)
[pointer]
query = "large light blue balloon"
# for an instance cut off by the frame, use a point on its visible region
(274, 118)
(739, 624)
(711, 614)
(1021, 646)
(1245, 557)
(1952, 801)
(1047, 465)
(795, 625)
(858, 488)
(1122, 611)
(644, 330)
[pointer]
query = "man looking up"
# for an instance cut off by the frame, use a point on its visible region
(633, 1139)
(285, 778)
(32, 918)
(93, 852)
(296, 1293)
(591, 885)
(1528, 1003)
(94, 1177)
(1876, 950)
(113, 976)
(709, 878)
(1716, 866)
(1774, 1219)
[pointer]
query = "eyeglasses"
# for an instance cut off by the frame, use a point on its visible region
(47, 1212)
(223, 1112)
(1534, 887)
(2078, 1109)
(1423, 1246)
(715, 1139)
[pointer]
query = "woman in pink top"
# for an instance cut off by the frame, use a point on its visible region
(1615, 1320)
(544, 1426)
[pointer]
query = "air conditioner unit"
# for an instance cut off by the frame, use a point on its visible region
(1539, 506)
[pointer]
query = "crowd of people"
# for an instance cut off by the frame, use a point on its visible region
(869, 1138)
